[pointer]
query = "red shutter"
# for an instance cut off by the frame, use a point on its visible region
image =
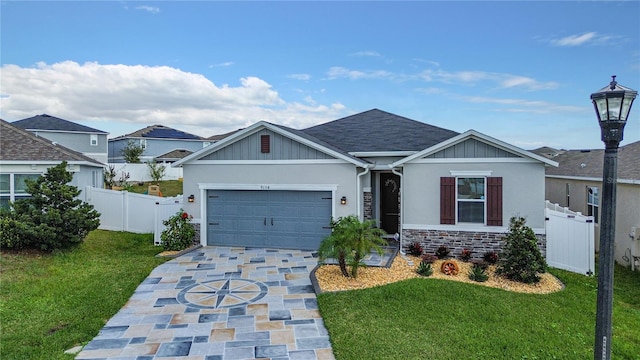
(447, 200)
(265, 144)
(494, 201)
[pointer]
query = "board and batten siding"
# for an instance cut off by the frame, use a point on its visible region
(280, 148)
(471, 148)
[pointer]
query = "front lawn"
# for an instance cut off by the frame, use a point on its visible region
(52, 302)
(440, 319)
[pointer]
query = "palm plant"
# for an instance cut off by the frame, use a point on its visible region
(350, 241)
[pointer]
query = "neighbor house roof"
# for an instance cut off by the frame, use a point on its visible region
(19, 145)
(589, 163)
(174, 155)
(46, 122)
(160, 132)
(222, 136)
(379, 131)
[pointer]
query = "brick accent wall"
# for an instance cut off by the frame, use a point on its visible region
(478, 242)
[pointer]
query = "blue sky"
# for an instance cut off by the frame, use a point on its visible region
(518, 71)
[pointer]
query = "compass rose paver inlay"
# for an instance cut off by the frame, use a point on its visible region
(222, 293)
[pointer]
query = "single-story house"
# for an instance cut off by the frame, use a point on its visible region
(86, 140)
(577, 182)
(26, 156)
(157, 141)
(270, 185)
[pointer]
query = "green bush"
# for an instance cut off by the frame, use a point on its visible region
(179, 232)
(53, 217)
(424, 269)
(521, 257)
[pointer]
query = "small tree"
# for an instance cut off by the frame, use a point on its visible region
(350, 241)
(109, 176)
(132, 152)
(521, 257)
(53, 217)
(156, 171)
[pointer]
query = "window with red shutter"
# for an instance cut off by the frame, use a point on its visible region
(494, 201)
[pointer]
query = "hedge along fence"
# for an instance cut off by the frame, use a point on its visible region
(137, 213)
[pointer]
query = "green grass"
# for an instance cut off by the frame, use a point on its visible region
(52, 302)
(439, 319)
(168, 188)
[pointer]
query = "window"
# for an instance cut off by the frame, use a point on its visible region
(143, 143)
(206, 143)
(13, 187)
(94, 140)
(593, 203)
(473, 200)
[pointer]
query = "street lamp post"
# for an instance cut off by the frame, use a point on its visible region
(612, 104)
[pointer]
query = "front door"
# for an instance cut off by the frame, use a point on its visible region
(389, 202)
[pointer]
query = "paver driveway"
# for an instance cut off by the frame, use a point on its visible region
(220, 303)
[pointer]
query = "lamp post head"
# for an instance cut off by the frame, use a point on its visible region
(613, 104)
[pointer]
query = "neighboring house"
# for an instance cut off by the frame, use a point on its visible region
(26, 156)
(577, 184)
(269, 185)
(157, 141)
(88, 141)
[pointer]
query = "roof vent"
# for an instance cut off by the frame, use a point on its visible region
(583, 165)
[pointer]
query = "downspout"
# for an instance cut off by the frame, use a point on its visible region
(359, 191)
(393, 170)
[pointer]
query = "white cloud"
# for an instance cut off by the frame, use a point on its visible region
(338, 72)
(299, 76)
(366, 53)
(150, 9)
(575, 40)
(529, 106)
(224, 64)
(143, 95)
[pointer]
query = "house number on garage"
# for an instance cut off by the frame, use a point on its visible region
(264, 187)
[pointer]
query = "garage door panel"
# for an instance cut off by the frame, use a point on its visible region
(284, 219)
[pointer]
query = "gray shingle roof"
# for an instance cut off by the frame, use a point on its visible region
(160, 132)
(52, 123)
(379, 131)
(589, 163)
(174, 155)
(17, 144)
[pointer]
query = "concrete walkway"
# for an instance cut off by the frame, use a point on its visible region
(220, 303)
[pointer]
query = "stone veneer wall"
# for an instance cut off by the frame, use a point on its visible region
(368, 205)
(196, 237)
(478, 242)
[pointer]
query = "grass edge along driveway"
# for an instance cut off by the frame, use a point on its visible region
(52, 302)
(439, 319)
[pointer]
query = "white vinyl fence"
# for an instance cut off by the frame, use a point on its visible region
(138, 213)
(570, 240)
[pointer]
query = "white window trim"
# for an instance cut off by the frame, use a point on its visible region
(93, 140)
(483, 200)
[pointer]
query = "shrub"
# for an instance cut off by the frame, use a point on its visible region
(415, 249)
(466, 255)
(442, 252)
(110, 176)
(179, 232)
(53, 217)
(521, 257)
(424, 269)
(481, 263)
(491, 257)
(429, 258)
(478, 273)
(13, 232)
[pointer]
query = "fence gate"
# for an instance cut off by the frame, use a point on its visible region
(570, 240)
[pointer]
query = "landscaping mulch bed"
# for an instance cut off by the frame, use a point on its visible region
(330, 279)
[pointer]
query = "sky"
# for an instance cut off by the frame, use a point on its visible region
(518, 71)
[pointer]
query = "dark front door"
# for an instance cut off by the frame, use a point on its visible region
(389, 202)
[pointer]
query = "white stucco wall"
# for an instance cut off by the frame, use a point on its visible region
(200, 177)
(523, 190)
